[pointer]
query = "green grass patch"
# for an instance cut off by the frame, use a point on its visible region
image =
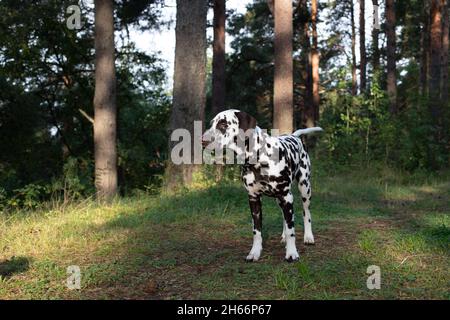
(193, 244)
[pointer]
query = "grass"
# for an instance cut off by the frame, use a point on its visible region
(192, 245)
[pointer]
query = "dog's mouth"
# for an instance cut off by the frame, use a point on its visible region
(205, 143)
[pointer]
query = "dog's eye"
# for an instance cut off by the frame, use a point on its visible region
(222, 126)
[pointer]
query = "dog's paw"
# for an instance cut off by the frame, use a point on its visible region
(252, 257)
(308, 239)
(292, 257)
(254, 254)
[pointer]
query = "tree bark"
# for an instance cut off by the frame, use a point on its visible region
(218, 72)
(308, 114)
(105, 108)
(391, 56)
(189, 89)
(435, 65)
(425, 47)
(362, 46)
(315, 60)
(283, 78)
(444, 68)
(270, 4)
(375, 39)
(352, 19)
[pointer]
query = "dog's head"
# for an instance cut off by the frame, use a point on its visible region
(226, 128)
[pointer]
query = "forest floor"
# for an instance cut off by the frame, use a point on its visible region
(192, 245)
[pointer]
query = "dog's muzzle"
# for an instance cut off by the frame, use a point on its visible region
(206, 140)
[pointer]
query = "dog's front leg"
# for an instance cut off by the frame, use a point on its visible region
(287, 205)
(255, 207)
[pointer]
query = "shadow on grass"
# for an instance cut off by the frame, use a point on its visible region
(13, 266)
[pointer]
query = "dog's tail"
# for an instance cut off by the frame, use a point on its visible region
(301, 132)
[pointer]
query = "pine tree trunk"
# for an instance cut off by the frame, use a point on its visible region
(352, 19)
(189, 89)
(391, 56)
(444, 68)
(425, 47)
(435, 65)
(307, 116)
(362, 46)
(218, 72)
(375, 39)
(105, 108)
(283, 79)
(315, 60)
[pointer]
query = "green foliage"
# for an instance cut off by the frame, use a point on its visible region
(46, 78)
(30, 197)
(76, 181)
(362, 130)
(359, 130)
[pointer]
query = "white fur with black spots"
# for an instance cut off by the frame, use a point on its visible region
(271, 165)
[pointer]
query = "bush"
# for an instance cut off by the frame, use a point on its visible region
(29, 197)
(361, 129)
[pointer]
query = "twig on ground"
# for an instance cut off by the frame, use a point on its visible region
(410, 256)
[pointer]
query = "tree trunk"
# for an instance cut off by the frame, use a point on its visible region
(435, 67)
(105, 108)
(444, 68)
(425, 47)
(362, 46)
(189, 90)
(354, 80)
(375, 39)
(308, 115)
(391, 57)
(315, 60)
(270, 4)
(283, 79)
(218, 72)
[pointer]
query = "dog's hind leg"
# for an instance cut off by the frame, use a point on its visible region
(255, 207)
(305, 189)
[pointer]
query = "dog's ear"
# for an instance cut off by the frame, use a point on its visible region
(246, 121)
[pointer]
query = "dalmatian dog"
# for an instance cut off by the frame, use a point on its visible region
(270, 165)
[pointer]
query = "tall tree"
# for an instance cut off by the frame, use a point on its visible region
(425, 48)
(308, 114)
(362, 46)
(283, 76)
(352, 21)
(435, 64)
(315, 59)
(375, 38)
(218, 72)
(189, 91)
(445, 44)
(391, 56)
(105, 108)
